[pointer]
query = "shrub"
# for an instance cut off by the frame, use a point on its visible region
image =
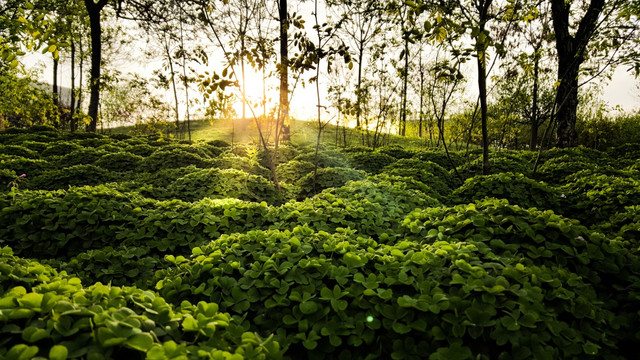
(82, 156)
(81, 135)
(625, 151)
(165, 177)
(20, 165)
(345, 296)
(408, 183)
(171, 159)
(36, 146)
(6, 177)
(77, 175)
(396, 151)
(55, 317)
(429, 173)
(230, 161)
(517, 188)
(95, 142)
(122, 266)
(326, 159)
(370, 207)
(17, 150)
(594, 199)
(497, 165)
(624, 224)
(65, 223)
(60, 148)
(291, 172)
(584, 153)
(555, 170)
(219, 143)
(310, 185)
(439, 156)
(141, 149)
(371, 162)
(357, 149)
(121, 161)
(228, 183)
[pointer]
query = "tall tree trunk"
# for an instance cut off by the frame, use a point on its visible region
(571, 55)
(284, 71)
(405, 80)
(94, 9)
(421, 97)
(483, 8)
(55, 91)
(359, 85)
(534, 106)
(72, 120)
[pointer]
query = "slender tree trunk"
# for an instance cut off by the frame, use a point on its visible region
(167, 52)
(284, 72)
(55, 91)
(94, 10)
(421, 98)
(72, 120)
(534, 107)
(81, 78)
(405, 75)
(185, 79)
(482, 85)
(359, 86)
(244, 84)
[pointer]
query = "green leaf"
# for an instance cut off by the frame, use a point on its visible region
(58, 352)
(141, 342)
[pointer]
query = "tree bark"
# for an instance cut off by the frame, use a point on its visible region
(534, 106)
(72, 120)
(571, 55)
(284, 70)
(94, 9)
(405, 80)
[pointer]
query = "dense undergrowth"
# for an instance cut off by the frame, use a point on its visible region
(138, 247)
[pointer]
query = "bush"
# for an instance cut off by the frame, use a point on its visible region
(625, 151)
(82, 156)
(60, 148)
(230, 161)
(123, 266)
(95, 142)
(345, 296)
(371, 162)
(326, 159)
(77, 175)
(171, 159)
(370, 207)
(439, 156)
(594, 199)
(219, 143)
(497, 165)
(17, 150)
(164, 178)
(310, 185)
(121, 161)
(141, 149)
(36, 146)
(219, 184)
(55, 317)
(429, 173)
(291, 172)
(6, 177)
(396, 151)
(64, 223)
(408, 183)
(517, 188)
(21, 165)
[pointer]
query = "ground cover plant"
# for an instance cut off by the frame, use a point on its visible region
(147, 247)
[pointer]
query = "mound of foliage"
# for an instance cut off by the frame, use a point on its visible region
(84, 156)
(120, 161)
(64, 223)
(517, 188)
(292, 171)
(326, 178)
(46, 314)
(20, 151)
(439, 157)
(219, 184)
(371, 162)
(60, 148)
(20, 165)
(370, 207)
(77, 175)
(428, 173)
(171, 159)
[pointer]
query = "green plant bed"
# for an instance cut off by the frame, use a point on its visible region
(18, 150)
(371, 207)
(342, 295)
(77, 175)
(517, 188)
(626, 225)
(60, 148)
(120, 161)
(47, 314)
(428, 173)
(594, 199)
(220, 184)
(171, 159)
(439, 156)
(20, 165)
(396, 151)
(141, 149)
(165, 177)
(497, 165)
(326, 178)
(64, 223)
(122, 266)
(371, 162)
(326, 158)
(292, 171)
(83, 156)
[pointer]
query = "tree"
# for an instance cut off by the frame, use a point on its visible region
(604, 30)
(94, 10)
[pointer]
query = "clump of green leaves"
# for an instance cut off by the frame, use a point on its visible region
(371, 162)
(326, 178)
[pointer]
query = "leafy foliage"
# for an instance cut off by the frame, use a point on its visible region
(517, 188)
(77, 175)
(54, 316)
(371, 162)
(326, 178)
(119, 162)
